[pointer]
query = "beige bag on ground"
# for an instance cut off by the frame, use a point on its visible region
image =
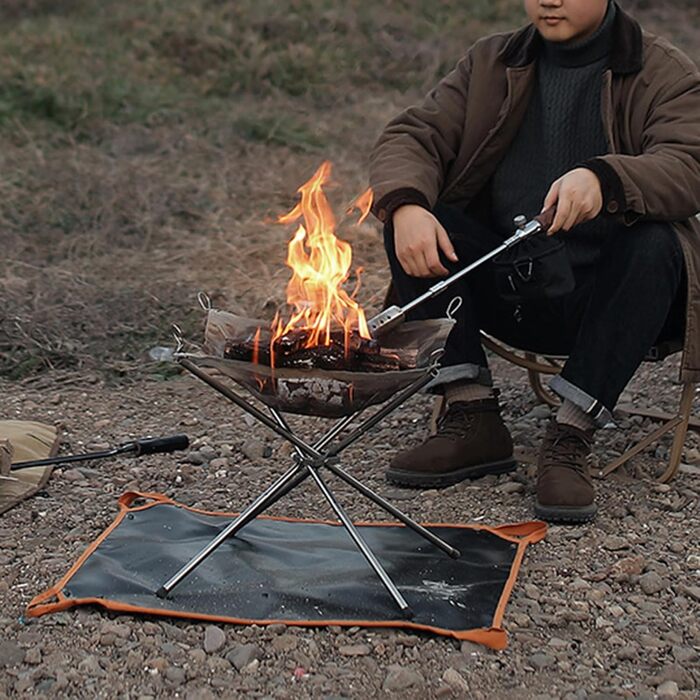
(21, 441)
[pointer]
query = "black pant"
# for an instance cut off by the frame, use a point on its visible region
(631, 298)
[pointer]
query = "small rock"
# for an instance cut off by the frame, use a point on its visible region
(454, 679)
(511, 487)
(254, 449)
(196, 457)
(651, 583)
(532, 591)
(208, 452)
(401, 678)
(219, 463)
(541, 411)
(251, 668)
(691, 591)
(539, 660)
(33, 656)
(682, 655)
(175, 675)
(242, 654)
(118, 630)
(668, 689)
(628, 653)
(11, 654)
(214, 639)
(284, 643)
(693, 562)
(72, 475)
(615, 543)
(354, 650)
(625, 568)
(692, 455)
(470, 649)
(90, 666)
(198, 656)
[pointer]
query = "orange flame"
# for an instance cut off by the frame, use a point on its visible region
(364, 204)
(320, 265)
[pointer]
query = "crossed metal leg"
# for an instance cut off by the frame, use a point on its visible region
(309, 461)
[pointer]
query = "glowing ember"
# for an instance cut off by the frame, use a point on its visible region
(320, 265)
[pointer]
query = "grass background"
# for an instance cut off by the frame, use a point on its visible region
(146, 147)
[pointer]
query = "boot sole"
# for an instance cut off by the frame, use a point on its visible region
(566, 514)
(415, 480)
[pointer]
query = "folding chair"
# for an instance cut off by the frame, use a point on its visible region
(678, 423)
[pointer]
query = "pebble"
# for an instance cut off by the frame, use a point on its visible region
(214, 639)
(354, 650)
(11, 653)
(285, 642)
(175, 675)
(668, 689)
(615, 543)
(651, 583)
(691, 591)
(511, 487)
(401, 678)
(541, 411)
(455, 680)
(540, 660)
(33, 656)
(196, 457)
(242, 654)
(693, 562)
(624, 569)
(254, 449)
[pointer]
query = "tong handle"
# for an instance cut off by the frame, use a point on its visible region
(151, 446)
(546, 218)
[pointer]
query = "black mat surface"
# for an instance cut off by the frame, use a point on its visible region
(300, 572)
(296, 570)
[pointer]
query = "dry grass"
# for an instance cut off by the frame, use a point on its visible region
(145, 148)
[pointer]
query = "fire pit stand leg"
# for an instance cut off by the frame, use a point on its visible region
(262, 502)
(288, 481)
(376, 498)
(310, 460)
(357, 539)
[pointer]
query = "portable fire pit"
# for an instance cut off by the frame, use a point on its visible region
(413, 348)
(327, 360)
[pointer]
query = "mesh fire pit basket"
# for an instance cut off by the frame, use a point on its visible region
(321, 392)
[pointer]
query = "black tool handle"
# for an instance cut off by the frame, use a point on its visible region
(156, 445)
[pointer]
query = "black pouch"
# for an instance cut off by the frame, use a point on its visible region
(536, 268)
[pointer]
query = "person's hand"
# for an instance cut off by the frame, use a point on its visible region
(578, 198)
(417, 237)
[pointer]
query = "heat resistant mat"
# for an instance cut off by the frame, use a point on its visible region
(296, 572)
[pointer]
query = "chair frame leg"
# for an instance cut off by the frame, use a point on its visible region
(678, 424)
(681, 431)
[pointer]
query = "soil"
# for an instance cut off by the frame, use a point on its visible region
(602, 611)
(606, 610)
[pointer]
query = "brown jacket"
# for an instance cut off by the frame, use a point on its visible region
(448, 147)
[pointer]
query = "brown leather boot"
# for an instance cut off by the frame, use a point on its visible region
(564, 484)
(471, 441)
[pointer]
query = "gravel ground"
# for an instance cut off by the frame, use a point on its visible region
(606, 610)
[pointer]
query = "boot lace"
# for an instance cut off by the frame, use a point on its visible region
(456, 421)
(566, 450)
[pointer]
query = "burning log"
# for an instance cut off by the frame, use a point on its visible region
(354, 354)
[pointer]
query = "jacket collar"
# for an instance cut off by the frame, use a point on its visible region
(626, 55)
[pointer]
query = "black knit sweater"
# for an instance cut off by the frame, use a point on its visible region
(561, 128)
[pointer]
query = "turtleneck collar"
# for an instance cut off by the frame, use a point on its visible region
(583, 52)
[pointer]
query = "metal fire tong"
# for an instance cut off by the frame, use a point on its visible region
(311, 458)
